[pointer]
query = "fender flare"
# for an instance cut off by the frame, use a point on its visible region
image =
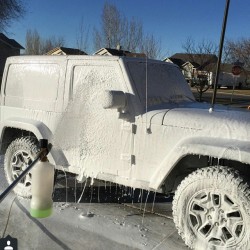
(41, 131)
(230, 149)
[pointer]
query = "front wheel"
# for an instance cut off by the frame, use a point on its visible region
(211, 210)
(19, 155)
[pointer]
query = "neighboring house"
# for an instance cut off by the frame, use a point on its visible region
(118, 52)
(65, 51)
(8, 47)
(199, 67)
(189, 69)
(194, 66)
(227, 79)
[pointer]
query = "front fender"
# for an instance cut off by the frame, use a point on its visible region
(215, 147)
(41, 131)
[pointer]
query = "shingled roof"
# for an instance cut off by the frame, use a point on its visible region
(10, 42)
(200, 60)
(65, 51)
(118, 52)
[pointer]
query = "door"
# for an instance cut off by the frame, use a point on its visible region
(98, 142)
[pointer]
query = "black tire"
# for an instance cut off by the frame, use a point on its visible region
(20, 153)
(211, 210)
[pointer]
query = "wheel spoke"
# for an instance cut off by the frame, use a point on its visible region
(203, 200)
(236, 226)
(198, 212)
(228, 203)
(16, 163)
(216, 200)
(205, 229)
(197, 215)
(26, 158)
(234, 216)
(19, 162)
(216, 236)
(16, 171)
(237, 229)
(15, 175)
(23, 156)
(27, 181)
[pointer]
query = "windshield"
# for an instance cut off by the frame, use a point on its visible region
(165, 83)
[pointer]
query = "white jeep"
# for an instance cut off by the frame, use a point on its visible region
(133, 122)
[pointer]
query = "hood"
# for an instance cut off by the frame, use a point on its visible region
(222, 122)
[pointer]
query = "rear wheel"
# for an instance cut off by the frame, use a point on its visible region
(211, 210)
(19, 155)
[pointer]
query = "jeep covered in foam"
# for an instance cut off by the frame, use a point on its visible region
(134, 122)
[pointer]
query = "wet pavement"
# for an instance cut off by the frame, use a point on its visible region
(107, 217)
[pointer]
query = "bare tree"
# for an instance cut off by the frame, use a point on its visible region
(132, 34)
(198, 51)
(82, 36)
(98, 40)
(111, 25)
(151, 47)
(51, 43)
(202, 56)
(113, 28)
(33, 42)
(116, 29)
(10, 10)
(238, 50)
(36, 45)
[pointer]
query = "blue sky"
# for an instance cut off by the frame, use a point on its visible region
(171, 21)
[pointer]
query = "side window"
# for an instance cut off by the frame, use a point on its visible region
(31, 84)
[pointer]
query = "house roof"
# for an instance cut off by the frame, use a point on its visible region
(199, 60)
(176, 61)
(111, 52)
(10, 42)
(65, 51)
(141, 55)
(194, 64)
(118, 52)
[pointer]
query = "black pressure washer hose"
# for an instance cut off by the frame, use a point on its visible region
(45, 149)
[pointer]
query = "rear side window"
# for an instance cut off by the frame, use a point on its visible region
(30, 84)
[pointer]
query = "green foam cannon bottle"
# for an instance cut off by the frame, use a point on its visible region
(42, 185)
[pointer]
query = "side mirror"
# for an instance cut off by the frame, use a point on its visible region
(113, 99)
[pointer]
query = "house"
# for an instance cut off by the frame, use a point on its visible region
(65, 51)
(194, 66)
(118, 52)
(202, 67)
(8, 47)
(228, 79)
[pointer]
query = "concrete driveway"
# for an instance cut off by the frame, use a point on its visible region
(105, 218)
